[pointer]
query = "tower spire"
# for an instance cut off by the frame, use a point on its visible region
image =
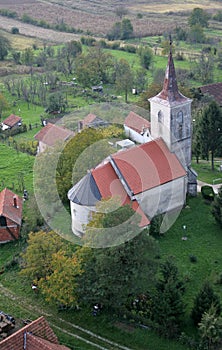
(170, 89)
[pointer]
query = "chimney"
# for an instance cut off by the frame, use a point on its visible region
(15, 202)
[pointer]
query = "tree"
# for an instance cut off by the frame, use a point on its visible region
(27, 57)
(217, 207)
(205, 298)
(196, 34)
(121, 30)
(15, 30)
(211, 130)
(210, 329)
(114, 273)
(140, 79)
(121, 11)
(126, 29)
(37, 259)
(5, 46)
(146, 56)
(69, 52)
(61, 285)
(168, 305)
(124, 77)
(204, 67)
(198, 17)
(56, 102)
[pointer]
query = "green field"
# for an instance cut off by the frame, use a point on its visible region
(16, 169)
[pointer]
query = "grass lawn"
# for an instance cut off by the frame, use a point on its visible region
(204, 240)
(203, 169)
(15, 168)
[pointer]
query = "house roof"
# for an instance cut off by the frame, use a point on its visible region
(214, 90)
(92, 120)
(37, 334)
(7, 207)
(85, 192)
(52, 133)
(148, 165)
(12, 120)
(110, 185)
(136, 122)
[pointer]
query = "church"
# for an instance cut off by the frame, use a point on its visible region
(155, 176)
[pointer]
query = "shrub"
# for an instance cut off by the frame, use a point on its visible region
(207, 192)
(193, 258)
(15, 30)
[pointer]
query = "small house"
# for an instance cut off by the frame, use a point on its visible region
(137, 128)
(10, 215)
(13, 121)
(51, 134)
(35, 335)
(91, 121)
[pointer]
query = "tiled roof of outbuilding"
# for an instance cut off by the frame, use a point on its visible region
(12, 120)
(7, 207)
(136, 122)
(52, 133)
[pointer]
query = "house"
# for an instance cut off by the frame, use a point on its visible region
(34, 336)
(51, 134)
(213, 90)
(10, 215)
(12, 121)
(154, 176)
(137, 128)
(91, 121)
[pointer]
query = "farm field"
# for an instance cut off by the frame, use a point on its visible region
(97, 18)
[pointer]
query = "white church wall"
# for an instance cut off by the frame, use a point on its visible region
(166, 197)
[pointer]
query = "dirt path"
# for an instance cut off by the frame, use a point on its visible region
(76, 331)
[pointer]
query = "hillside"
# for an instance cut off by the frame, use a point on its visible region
(97, 17)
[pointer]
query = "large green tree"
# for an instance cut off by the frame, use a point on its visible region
(204, 300)
(124, 77)
(146, 56)
(210, 128)
(68, 54)
(168, 304)
(198, 16)
(210, 329)
(113, 274)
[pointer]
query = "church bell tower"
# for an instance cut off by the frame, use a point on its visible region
(170, 114)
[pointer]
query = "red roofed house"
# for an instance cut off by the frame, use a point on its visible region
(154, 176)
(137, 128)
(91, 121)
(34, 336)
(11, 122)
(50, 134)
(10, 215)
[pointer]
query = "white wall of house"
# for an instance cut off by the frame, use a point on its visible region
(137, 137)
(160, 199)
(81, 216)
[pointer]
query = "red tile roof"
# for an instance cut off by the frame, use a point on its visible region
(136, 122)
(148, 165)
(214, 90)
(109, 185)
(88, 119)
(12, 120)
(52, 133)
(7, 207)
(38, 335)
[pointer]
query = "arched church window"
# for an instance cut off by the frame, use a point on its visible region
(180, 117)
(160, 117)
